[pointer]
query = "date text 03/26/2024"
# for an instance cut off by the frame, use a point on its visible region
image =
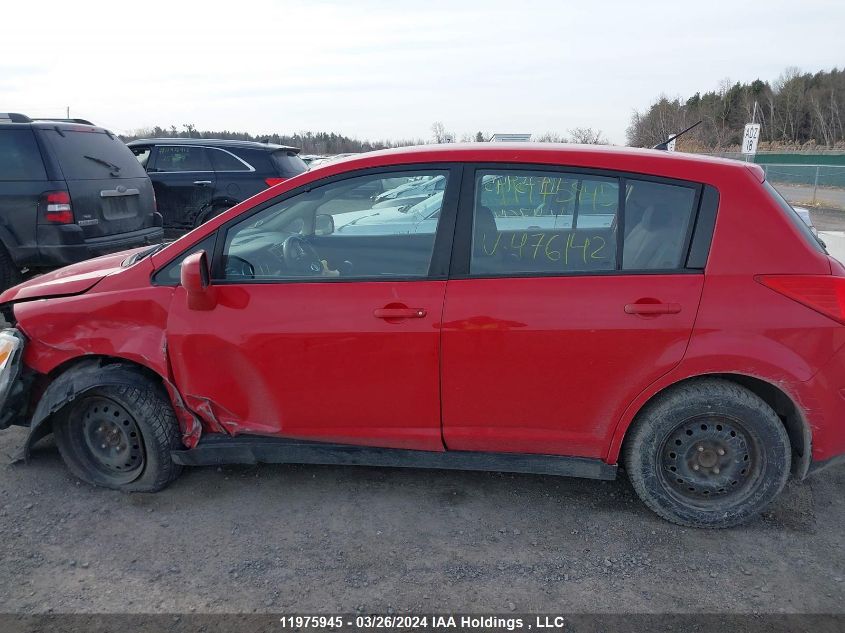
(406, 622)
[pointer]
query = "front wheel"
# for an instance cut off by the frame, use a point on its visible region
(120, 436)
(708, 453)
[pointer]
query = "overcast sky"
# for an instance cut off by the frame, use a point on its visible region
(388, 69)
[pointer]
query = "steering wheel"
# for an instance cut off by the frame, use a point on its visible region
(300, 256)
(237, 267)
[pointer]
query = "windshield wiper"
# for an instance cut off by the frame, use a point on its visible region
(134, 259)
(115, 170)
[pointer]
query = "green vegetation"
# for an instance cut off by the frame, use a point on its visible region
(798, 111)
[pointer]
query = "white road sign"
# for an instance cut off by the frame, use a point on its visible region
(670, 146)
(750, 138)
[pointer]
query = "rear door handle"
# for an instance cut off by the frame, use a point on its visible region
(653, 308)
(399, 313)
(202, 182)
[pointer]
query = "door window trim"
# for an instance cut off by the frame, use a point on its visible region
(249, 168)
(443, 238)
(462, 245)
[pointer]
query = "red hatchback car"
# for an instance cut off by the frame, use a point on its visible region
(524, 308)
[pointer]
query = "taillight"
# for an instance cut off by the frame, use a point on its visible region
(823, 293)
(274, 181)
(55, 208)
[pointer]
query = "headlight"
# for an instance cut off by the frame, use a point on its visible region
(10, 343)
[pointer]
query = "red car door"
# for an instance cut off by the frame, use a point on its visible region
(547, 335)
(317, 333)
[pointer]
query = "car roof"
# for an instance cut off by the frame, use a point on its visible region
(222, 142)
(55, 124)
(659, 163)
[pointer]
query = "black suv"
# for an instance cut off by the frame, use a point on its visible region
(68, 191)
(196, 179)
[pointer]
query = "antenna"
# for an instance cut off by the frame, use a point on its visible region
(665, 144)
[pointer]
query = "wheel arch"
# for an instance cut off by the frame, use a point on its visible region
(220, 201)
(73, 377)
(783, 404)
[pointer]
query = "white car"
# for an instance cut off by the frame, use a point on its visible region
(414, 188)
(422, 218)
(804, 214)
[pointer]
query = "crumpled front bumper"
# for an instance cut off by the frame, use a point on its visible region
(14, 387)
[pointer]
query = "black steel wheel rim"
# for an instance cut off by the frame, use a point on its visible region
(111, 438)
(710, 459)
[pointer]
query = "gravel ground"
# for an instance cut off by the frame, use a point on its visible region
(331, 539)
(803, 195)
(828, 219)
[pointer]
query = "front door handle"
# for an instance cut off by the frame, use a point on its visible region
(399, 313)
(202, 183)
(653, 308)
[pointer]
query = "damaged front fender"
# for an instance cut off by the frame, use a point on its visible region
(81, 378)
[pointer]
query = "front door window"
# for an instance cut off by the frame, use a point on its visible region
(369, 227)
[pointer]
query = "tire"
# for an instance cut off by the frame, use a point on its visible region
(10, 274)
(120, 436)
(213, 212)
(708, 453)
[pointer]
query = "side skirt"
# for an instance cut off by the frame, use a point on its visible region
(219, 449)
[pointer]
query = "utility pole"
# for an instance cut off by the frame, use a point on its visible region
(67, 112)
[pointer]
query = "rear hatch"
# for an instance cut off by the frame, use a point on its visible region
(288, 163)
(110, 191)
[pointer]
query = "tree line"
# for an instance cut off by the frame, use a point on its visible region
(322, 143)
(329, 143)
(796, 111)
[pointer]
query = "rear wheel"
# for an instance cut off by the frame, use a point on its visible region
(211, 212)
(10, 275)
(709, 453)
(120, 436)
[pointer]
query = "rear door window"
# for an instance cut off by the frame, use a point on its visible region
(20, 158)
(547, 222)
(543, 222)
(288, 164)
(92, 155)
(182, 158)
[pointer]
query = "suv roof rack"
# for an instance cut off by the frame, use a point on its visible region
(80, 121)
(14, 117)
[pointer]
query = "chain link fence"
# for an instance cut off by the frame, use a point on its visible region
(813, 180)
(817, 185)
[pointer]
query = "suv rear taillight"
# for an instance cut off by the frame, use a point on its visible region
(54, 208)
(823, 293)
(274, 181)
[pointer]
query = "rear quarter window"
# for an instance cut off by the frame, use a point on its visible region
(20, 159)
(92, 155)
(222, 160)
(793, 216)
(288, 164)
